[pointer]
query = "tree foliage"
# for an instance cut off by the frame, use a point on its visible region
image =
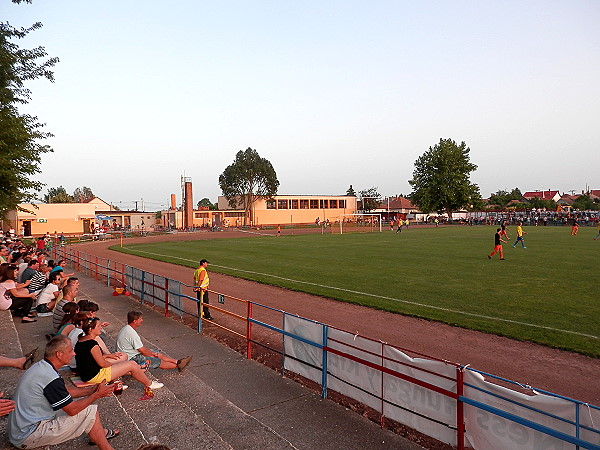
(20, 134)
(350, 192)
(83, 194)
(206, 203)
(539, 203)
(441, 178)
(248, 179)
(585, 203)
(369, 199)
(58, 195)
(501, 198)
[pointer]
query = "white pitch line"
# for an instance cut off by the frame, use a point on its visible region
(366, 294)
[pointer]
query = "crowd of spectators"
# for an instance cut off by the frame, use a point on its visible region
(43, 410)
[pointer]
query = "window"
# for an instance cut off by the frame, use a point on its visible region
(324, 204)
(314, 204)
(270, 204)
(294, 204)
(200, 215)
(333, 204)
(341, 204)
(303, 204)
(282, 204)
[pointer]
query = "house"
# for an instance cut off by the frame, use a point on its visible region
(397, 206)
(543, 195)
(567, 200)
(68, 218)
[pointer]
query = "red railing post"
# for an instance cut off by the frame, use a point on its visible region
(382, 391)
(249, 332)
(96, 268)
(166, 297)
(460, 410)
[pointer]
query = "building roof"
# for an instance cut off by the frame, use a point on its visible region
(396, 203)
(544, 195)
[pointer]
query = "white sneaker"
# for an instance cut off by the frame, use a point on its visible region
(156, 385)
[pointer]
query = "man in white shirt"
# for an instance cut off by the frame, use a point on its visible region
(47, 298)
(129, 342)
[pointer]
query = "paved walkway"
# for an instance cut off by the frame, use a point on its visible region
(222, 401)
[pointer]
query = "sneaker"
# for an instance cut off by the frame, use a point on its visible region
(148, 394)
(155, 385)
(502, 259)
(45, 314)
(489, 257)
(183, 362)
(524, 247)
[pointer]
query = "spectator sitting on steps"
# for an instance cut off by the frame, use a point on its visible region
(129, 342)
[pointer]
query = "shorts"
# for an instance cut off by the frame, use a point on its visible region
(104, 375)
(62, 428)
(141, 360)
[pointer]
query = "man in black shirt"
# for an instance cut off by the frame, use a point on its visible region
(497, 244)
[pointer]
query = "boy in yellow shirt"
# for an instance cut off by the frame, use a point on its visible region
(520, 234)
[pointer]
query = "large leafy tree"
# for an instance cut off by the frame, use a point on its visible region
(83, 194)
(441, 178)
(502, 197)
(206, 203)
(369, 199)
(20, 134)
(248, 179)
(58, 195)
(350, 192)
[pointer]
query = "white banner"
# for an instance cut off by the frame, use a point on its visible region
(423, 409)
(488, 431)
(299, 351)
(352, 378)
(426, 411)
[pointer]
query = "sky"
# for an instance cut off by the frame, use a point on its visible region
(333, 93)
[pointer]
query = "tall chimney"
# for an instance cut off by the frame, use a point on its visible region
(173, 202)
(188, 214)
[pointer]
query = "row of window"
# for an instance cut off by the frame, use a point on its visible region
(306, 204)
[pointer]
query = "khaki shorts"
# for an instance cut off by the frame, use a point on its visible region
(62, 428)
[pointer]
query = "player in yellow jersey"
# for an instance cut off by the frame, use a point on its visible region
(520, 234)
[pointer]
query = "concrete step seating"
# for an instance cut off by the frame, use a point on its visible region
(221, 401)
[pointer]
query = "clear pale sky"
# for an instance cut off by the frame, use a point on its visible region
(333, 93)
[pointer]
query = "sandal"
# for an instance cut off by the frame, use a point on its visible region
(28, 320)
(109, 435)
(29, 359)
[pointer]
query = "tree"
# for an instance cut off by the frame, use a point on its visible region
(369, 199)
(350, 192)
(58, 195)
(585, 203)
(502, 198)
(20, 134)
(248, 179)
(540, 203)
(82, 194)
(441, 178)
(206, 203)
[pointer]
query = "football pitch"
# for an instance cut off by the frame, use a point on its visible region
(546, 293)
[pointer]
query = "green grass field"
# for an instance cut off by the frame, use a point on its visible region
(547, 293)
